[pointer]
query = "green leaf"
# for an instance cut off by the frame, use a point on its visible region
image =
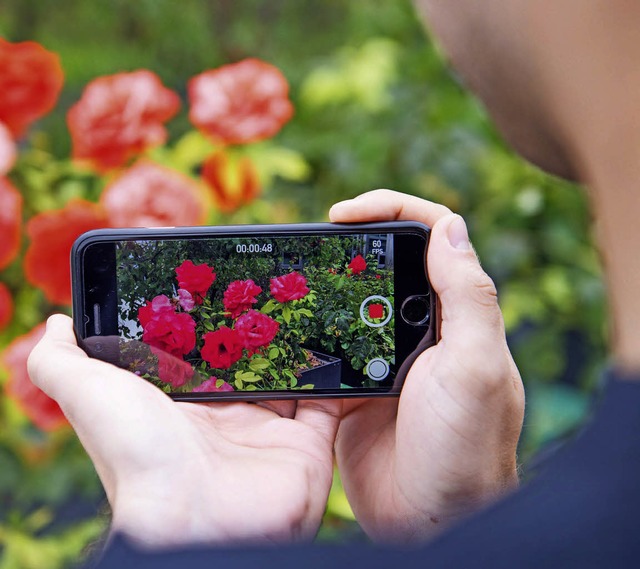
(250, 387)
(247, 376)
(274, 353)
(286, 314)
(258, 364)
(307, 386)
(269, 307)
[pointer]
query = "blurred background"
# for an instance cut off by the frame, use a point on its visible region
(374, 106)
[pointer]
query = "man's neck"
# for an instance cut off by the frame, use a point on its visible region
(614, 181)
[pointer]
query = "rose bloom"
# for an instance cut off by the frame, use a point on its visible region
(185, 300)
(31, 79)
(10, 222)
(241, 102)
(6, 306)
(209, 386)
(52, 233)
(357, 265)
(8, 152)
(256, 330)
(240, 296)
(120, 116)
(232, 182)
(197, 279)
(172, 370)
(43, 411)
(150, 195)
(222, 348)
(291, 286)
(154, 309)
(376, 311)
(173, 332)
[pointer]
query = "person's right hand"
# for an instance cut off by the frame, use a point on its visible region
(448, 446)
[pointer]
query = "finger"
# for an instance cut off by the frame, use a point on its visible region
(472, 324)
(87, 390)
(322, 415)
(387, 205)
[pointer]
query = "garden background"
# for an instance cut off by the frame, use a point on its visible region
(374, 106)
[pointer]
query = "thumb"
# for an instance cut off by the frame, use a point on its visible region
(471, 317)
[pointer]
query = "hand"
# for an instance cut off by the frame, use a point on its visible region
(448, 445)
(183, 473)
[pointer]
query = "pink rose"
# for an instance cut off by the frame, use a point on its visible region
(240, 296)
(173, 332)
(197, 279)
(173, 370)
(209, 386)
(256, 330)
(159, 304)
(291, 286)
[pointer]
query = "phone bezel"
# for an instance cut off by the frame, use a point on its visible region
(234, 231)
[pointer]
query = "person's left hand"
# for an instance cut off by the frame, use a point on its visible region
(184, 473)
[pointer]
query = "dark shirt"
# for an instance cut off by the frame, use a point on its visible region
(581, 510)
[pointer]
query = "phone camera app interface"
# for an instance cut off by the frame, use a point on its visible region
(258, 313)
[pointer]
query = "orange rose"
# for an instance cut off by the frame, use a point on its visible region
(120, 116)
(10, 222)
(241, 102)
(233, 183)
(43, 411)
(30, 82)
(150, 195)
(52, 233)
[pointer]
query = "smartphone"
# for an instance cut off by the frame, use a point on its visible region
(257, 312)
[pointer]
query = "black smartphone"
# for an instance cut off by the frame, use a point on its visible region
(257, 312)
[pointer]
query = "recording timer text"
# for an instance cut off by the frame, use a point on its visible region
(254, 248)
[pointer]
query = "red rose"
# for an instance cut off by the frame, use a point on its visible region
(376, 311)
(172, 370)
(256, 330)
(30, 81)
(210, 386)
(10, 222)
(197, 279)
(240, 103)
(159, 304)
(8, 150)
(357, 265)
(52, 233)
(6, 306)
(291, 286)
(120, 116)
(232, 182)
(43, 411)
(150, 195)
(221, 348)
(173, 332)
(240, 296)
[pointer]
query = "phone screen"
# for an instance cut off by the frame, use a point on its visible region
(276, 313)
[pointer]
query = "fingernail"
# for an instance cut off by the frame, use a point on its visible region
(458, 235)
